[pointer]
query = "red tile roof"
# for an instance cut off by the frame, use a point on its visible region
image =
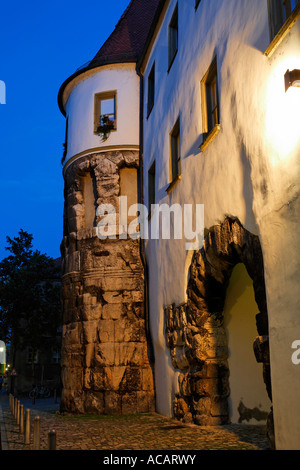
(127, 41)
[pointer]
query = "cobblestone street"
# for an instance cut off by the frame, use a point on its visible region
(131, 432)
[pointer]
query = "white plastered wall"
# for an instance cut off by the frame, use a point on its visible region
(249, 171)
(79, 98)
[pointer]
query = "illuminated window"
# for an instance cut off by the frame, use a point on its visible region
(175, 151)
(279, 13)
(105, 110)
(210, 99)
(151, 90)
(173, 36)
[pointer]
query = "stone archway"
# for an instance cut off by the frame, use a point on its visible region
(195, 332)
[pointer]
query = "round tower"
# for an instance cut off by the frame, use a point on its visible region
(105, 360)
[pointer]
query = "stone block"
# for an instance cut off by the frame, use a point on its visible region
(114, 309)
(106, 331)
(105, 354)
(72, 378)
(89, 356)
(98, 379)
(132, 380)
(126, 331)
(113, 403)
(145, 402)
(217, 369)
(219, 406)
(72, 333)
(94, 402)
(206, 387)
(130, 403)
(130, 353)
(125, 281)
(147, 379)
(113, 297)
(72, 401)
(202, 406)
(89, 331)
(117, 376)
(91, 312)
(72, 356)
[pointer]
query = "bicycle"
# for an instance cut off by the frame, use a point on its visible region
(39, 391)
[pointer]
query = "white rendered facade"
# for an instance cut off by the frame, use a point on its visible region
(79, 102)
(250, 170)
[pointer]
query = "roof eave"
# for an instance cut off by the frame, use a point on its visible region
(150, 35)
(82, 71)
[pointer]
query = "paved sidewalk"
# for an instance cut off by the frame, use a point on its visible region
(132, 432)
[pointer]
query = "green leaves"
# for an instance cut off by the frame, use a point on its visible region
(30, 309)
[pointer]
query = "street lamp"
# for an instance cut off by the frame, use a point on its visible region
(292, 78)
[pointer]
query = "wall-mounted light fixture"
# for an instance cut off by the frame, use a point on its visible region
(292, 78)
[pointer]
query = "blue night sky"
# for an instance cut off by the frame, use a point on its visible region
(41, 44)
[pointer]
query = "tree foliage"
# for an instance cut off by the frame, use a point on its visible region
(30, 310)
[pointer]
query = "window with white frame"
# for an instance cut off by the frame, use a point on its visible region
(105, 110)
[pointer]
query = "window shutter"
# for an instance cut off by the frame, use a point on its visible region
(276, 17)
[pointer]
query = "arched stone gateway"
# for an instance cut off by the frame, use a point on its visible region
(195, 331)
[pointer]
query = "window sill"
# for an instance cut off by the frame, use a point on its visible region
(173, 184)
(112, 130)
(210, 137)
(282, 33)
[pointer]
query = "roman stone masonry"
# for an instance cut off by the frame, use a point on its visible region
(195, 333)
(105, 365)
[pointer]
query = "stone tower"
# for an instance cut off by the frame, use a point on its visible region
(105, 358)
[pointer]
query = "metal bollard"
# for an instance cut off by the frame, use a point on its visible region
(27, 427)
(52, 440)
(36, 433)
(18, 412)
(15, 407)
(22, 419)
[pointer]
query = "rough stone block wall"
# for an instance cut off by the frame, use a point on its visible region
(195, 334)
(105, 357)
